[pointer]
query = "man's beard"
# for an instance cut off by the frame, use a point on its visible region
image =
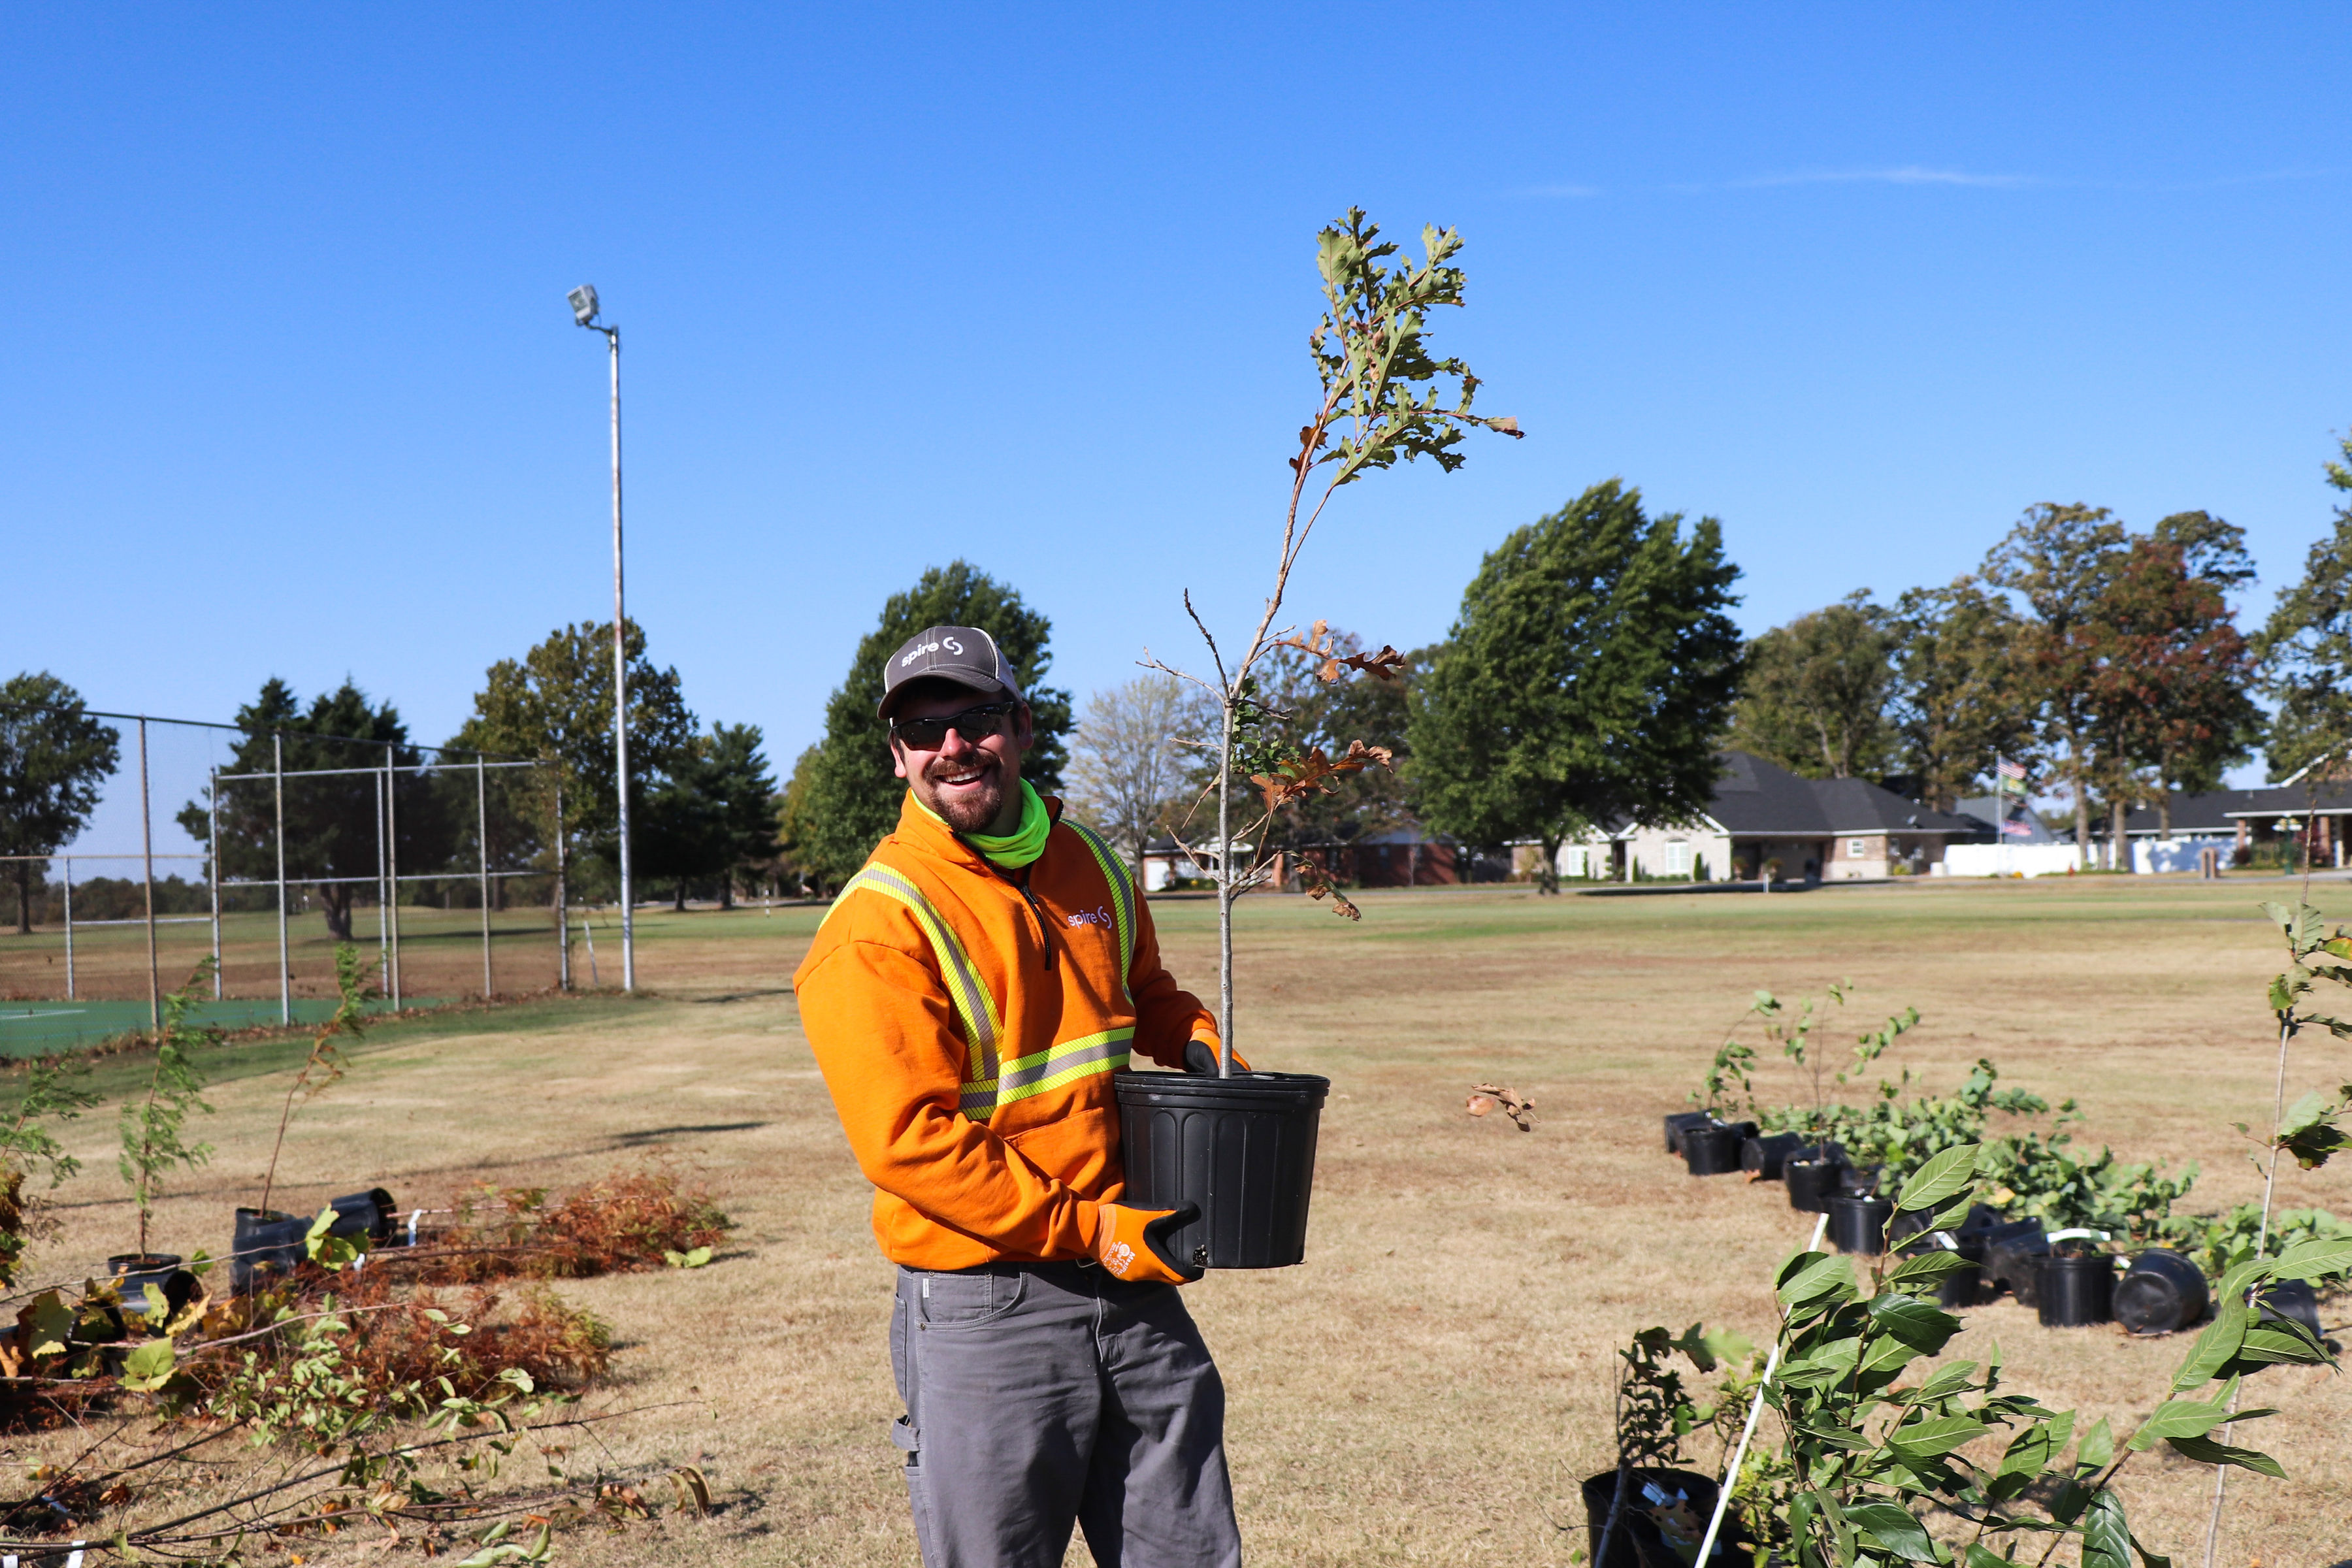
(970, 811)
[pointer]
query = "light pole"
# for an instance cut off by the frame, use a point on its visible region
(584, 312)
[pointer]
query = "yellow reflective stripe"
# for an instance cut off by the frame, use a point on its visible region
(982, 1024)
(1050, 1068)
(1122, 899)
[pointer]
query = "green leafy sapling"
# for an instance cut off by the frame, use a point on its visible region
(1656, 1412)
(1876, 1444)
(1385, 400)
(325, 1063)
(27, 1142)
(151, 1128)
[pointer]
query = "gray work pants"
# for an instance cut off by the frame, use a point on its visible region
(1042, 1394)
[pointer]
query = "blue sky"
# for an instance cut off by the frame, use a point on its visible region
(288, 386)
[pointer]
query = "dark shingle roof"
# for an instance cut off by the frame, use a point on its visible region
(2219, 811)
(1755, 796)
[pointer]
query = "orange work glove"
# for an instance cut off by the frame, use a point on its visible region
(1138, 1245)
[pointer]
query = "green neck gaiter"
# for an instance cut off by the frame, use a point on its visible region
(1014, 850)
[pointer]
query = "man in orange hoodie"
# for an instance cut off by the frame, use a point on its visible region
(968, 996)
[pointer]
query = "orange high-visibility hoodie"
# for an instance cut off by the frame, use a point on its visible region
(968, 1021)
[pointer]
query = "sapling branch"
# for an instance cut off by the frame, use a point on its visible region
(326, 1059)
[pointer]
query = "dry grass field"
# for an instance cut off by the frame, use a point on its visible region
(1429, 1385)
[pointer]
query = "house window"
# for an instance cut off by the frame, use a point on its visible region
(1571, 861)
(1678, 857)
(1853, 848)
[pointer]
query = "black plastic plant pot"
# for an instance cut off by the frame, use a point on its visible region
(266, 1245)
(2162, 1293)
(2077, 1290)
(1811, 1184)
(2292, 1301)
(1860, 1180)
(2013, 1252)
(146, 1279)
(368, 1213)
(1661, 1519)
(1682, 1121)
(1858, 1224)
(1712, 1151)
(1762, 1157)
(1242, 1148)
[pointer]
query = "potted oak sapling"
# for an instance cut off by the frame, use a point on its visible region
(1384, 400)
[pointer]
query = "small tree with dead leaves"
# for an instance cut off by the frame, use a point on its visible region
(1385, 400)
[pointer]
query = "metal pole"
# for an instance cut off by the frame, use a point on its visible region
(482, 841)
(212, 846)
(562, 918)
(69, 970)
(621, 690)
(147, 855)
(277, 797)
(392, 869)
(383, 914)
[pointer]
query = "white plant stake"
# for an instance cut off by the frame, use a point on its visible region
(1739, 1454)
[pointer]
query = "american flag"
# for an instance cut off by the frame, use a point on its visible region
(2013, 773)
(2017, 830)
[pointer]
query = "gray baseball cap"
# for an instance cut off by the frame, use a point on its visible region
(965, 654)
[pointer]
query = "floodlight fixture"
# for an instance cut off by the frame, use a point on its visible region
(583, 304)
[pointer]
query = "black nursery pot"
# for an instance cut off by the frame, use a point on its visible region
(1679, 1495)
(2293, 1300)
(2013, 1253)
(1712, 1151)
(144, 1280)
(1762, 1157)
(2162, 1292)
(2077, 1289)
(1242, 1148)
(266, 1245)
(1811, 1184)
(1682, 1121)
(1858, 1224)
(368, 1213)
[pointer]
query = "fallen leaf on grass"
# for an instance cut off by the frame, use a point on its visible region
(1488, 1097)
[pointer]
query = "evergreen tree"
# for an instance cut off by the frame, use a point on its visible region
(1588, 679)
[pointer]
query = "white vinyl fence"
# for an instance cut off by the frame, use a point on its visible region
(2012, 860)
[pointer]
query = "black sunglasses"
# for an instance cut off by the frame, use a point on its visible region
(973, 724)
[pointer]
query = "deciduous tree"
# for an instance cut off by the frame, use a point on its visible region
(1815, 695)
(53, 758)
(1128, 761)
(1956, 705)
(2172, 687)
(853, 796)
(1588, 679)
(2059, 561)
(712, 816)
(555, 704)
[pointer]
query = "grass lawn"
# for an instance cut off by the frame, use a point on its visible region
(1431, 1384)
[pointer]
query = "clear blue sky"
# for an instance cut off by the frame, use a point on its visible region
(287, 384)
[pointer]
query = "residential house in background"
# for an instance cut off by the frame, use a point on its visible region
(1762, 816)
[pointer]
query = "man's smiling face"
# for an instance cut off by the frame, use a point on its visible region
(972, 781)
